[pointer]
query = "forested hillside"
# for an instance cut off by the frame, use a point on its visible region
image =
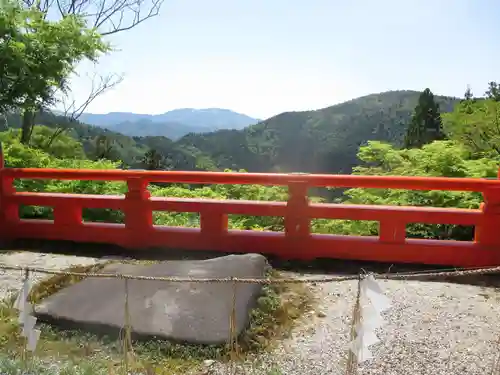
(321, 141)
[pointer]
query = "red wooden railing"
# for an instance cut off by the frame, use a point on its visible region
(295, 242)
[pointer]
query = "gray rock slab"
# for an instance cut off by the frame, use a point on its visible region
(181, 312)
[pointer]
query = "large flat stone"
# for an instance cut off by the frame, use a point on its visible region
(181, 312)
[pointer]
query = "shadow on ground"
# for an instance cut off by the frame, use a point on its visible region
(318, 266)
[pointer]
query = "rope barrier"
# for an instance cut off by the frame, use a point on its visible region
(262, 281)
(351, 367)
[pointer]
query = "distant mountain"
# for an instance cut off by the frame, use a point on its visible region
(173, 124)
(149, 128)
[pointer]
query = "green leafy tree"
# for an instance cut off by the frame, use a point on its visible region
(468, 94)
(104, 148)
(38, 57)
(436, 159)
(425, 125)
(153, 160)
(493, 91)
(475, 124)
(104, 17)
(467, 101)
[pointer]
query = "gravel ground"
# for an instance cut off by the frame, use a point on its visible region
(12, 280)
(432, 328)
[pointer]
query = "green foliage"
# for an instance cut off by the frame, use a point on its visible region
(468, 94)
(426, 125)
(493, 91)
(475, 124)
(437, 159)
(18, 155)
(153, 160)
(63, 147)
(38, 54)
(223, 192)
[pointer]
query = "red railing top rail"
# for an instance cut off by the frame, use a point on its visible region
(278, 179)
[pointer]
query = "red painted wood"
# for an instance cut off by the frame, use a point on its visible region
(318, 180)
(295, 242)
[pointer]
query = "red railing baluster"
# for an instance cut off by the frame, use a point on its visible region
(138, 213)
(479, 227)
(9, 211)
(297, 221)
(2, 199)
(392, 231)
(487, 232)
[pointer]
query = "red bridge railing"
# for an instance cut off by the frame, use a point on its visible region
(296, 241)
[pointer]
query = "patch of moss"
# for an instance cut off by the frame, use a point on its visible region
(55, 283)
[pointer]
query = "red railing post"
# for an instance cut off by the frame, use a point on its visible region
(9, 213)
(138, 214)
(478, 228)
(297, 222)
(2, 221)
(487, 233)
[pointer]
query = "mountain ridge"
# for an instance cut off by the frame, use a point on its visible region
(172, 124)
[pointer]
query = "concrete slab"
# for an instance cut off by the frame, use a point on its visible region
(181, 312)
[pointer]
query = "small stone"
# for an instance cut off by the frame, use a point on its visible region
(208, 362)
(320, 314)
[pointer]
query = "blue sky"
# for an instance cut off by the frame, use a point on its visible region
(264, 57)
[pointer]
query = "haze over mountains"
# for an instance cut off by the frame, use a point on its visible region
(173, 124)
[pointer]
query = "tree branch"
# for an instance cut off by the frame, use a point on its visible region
(108, 16)
(73, 112)
(100, 84)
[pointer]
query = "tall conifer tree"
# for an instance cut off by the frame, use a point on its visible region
(426, 125)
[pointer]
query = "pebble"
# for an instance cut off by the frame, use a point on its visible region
(208, 362)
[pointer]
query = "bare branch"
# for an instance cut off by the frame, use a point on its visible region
(107, 16)
(72, 111)
(41, 5)
(53, 137)
(100, 84)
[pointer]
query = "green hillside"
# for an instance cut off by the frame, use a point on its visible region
(325, 140)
